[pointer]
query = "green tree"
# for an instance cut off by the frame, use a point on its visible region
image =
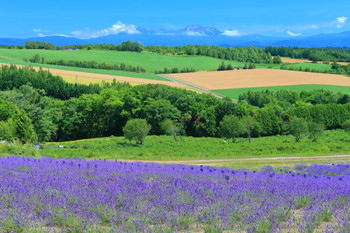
(249, 124)
(230, 127)
(158, 110)
(35, 59)
(136, 129)
(269, 120)
(222, 66)
(23, 127)
(315, 130)
(297, 127)
(7, 130)
(346, 126)
(7, 109)
(169, 127)
(277, 60)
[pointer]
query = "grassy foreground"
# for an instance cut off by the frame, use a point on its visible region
(201, 151)
(235, 93)
(189, 148)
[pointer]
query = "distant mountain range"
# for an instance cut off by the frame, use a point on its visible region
(195, 34)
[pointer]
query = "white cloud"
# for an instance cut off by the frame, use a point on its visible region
(165, 34)
(313, 26)
(56, 34)
(114, 30)
(36, 30)
(192, 33)
(293, 34)
(341, 21)
(231, 33)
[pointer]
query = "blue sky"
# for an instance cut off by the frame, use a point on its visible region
(22, 19)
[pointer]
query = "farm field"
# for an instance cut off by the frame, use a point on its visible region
(292, 60)
(77, 195)
(151, 62)
(87, 70)
(236, 92)
(319, 67)
(85, 77)
(214, 80)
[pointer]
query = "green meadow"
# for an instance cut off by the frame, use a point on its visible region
(235, 93)
(312, 66)
(88, 70)
(189, 148)
(151, 62)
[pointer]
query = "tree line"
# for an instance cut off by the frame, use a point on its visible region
(175, 70)
(86, 64)
(104, 110)
(12, 77)
(242, 54)
(329, 54)
(223, 66)
(335, 69)
(125, 46)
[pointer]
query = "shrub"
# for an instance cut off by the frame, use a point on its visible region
(136, 129)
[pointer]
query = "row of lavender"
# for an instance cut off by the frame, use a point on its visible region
(106, 196)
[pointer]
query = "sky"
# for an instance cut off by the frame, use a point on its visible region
(87, 19)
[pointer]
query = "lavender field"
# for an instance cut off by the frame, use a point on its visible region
(76, 195)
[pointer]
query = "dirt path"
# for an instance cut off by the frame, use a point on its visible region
(105, 76)
(213, 80)
(257, 162)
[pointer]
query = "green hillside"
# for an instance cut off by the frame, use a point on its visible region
(151, 62)
(88, 70)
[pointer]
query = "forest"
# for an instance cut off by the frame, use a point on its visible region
(48, 109)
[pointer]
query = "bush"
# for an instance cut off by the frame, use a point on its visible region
(297, 127)
(136, 129)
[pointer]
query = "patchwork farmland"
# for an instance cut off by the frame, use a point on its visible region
(258, 78)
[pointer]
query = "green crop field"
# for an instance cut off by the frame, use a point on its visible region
(312, 66)
(235, 93)
(151, 62)
(88, 70)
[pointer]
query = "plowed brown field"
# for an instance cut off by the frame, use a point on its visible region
(82, 75)
(258, 78)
